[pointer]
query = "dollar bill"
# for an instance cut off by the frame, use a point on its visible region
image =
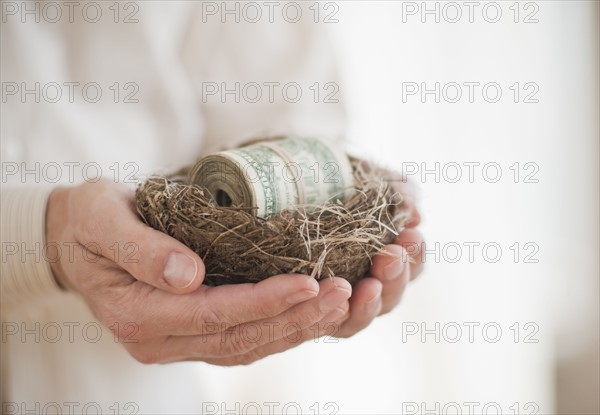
(271, 176)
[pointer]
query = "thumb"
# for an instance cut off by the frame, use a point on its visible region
(148, 255)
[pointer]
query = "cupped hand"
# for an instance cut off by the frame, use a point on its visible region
(389, 275)
(147, 287)
(382, 290)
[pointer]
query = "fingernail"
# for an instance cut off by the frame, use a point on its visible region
(393, 270)
(333, 299)
(180, 270)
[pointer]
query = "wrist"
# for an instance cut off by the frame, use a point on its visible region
(56, 212)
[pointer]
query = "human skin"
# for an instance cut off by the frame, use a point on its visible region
(135, 277)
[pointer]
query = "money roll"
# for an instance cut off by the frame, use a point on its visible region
(271, 176)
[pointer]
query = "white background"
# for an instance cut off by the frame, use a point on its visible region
(376, 371)
(379, 49)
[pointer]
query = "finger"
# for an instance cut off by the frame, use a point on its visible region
(246, 337)
(211, 310)
(98, 279)
(112, 228)
(365, 305)
(412, 240)
(393, 270)
(389, 266)
(328, 326)
(409, 193)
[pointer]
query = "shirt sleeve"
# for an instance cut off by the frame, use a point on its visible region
(25, 270)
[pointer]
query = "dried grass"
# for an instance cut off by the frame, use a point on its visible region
(335, 239)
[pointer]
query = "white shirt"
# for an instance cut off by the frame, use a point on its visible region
(54, 352)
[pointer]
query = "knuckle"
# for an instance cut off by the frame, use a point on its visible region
(130, 332)
(346, 334)
(306, 317)
(241, 360)
(249, 358)
(299, 320)
(236, 345)
(91, 229)
(349, 329)
(264, 307)
(337, 329)
(246, 358)
(144, 356)
(208, 320)
(122, 321)
(229, 362)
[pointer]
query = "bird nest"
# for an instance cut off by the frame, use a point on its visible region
(334, 239)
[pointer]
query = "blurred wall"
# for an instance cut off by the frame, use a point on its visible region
(529, 289)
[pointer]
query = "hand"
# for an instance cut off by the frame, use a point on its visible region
(382, 290)
(146, 286)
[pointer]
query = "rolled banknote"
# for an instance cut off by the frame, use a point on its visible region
(270, 176)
